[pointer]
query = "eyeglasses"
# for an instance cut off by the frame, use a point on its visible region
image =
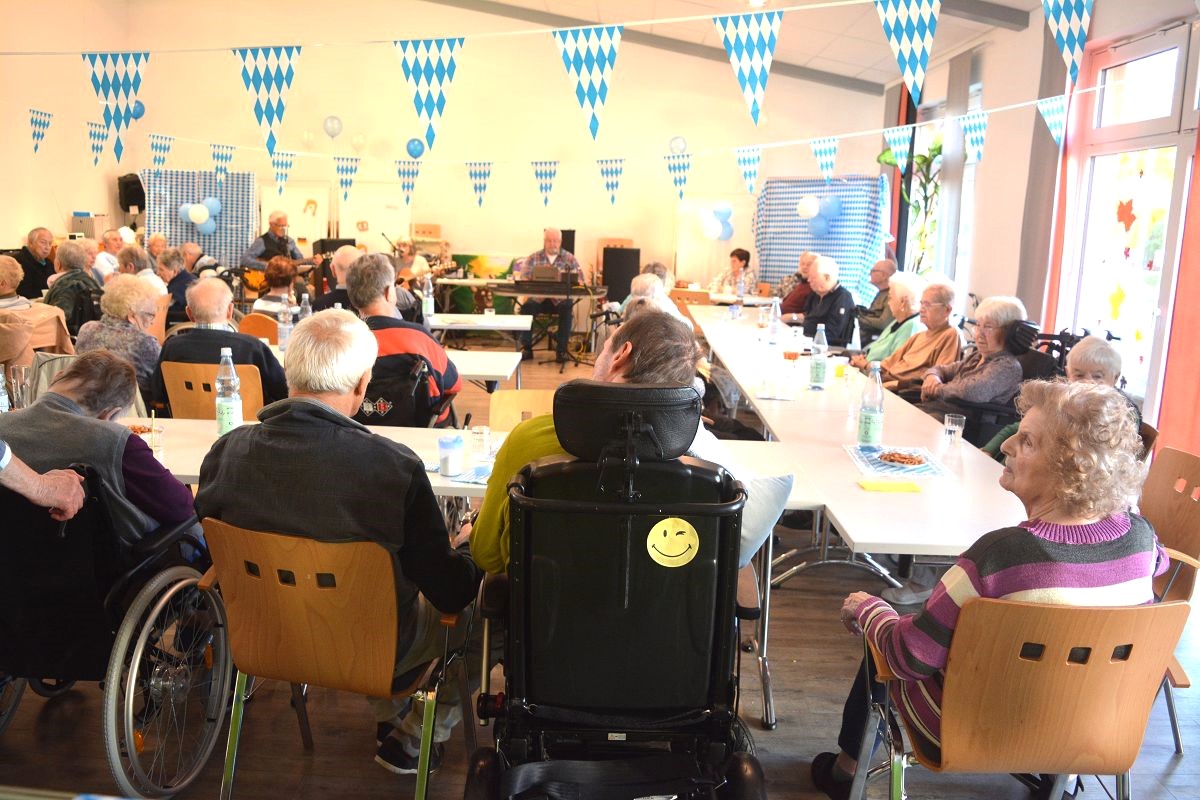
(927, 304)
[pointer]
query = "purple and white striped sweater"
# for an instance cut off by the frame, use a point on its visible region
(1107, 563)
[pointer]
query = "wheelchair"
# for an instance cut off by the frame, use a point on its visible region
(620, 654)
(76, 604)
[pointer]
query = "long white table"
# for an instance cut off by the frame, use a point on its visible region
(508, 323)
(474, 365)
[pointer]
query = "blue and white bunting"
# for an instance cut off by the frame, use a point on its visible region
(160, 148)
(117, 78)
(899, 139)
(267, 74)
(974, 127)
(824, 150)
(222, 155)
(408, 171)
(429, 69)
(748, 161)
(1068, 21)
(544, 173)
(678, 166)
(589, 54)
(39, 123)
(1054, 113)
(478, 173)
(97, 138)
(346, 168)
(282, 162)
(750, 44)
(610, 173)
(909, 26)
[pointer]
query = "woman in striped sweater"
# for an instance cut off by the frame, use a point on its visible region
(1075, 465)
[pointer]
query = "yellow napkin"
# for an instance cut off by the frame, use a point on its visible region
(888, 486)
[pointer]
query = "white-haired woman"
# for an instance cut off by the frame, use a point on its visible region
(649, 287)
(128, 305)
(11, 275)
(904, 292)
(990, 374)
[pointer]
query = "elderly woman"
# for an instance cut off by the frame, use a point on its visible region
(128, 306)
(991, 374)
(1074, 464)
(903, 291)
(133, 260)
(10, 279)
(647, 289)
(277, 288)
(156, 244)
(739, 269)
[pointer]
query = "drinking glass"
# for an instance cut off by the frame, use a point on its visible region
(18, 378)
(952, 428)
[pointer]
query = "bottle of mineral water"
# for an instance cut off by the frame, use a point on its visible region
(741, 288)
(229, 398)
(285, 325)
(305, 307)
(870, 411)
(818, 364)
(427, 297)
(775, 323)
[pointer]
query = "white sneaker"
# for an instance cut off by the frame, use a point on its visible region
(910, 594)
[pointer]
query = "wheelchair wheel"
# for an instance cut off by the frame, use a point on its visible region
(10, 697)
(49, 687)
(167, 685)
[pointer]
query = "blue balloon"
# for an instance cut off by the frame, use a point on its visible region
(213, 205)
(415, 148)
(138, 110)
(819, 227)
(183, 212)
(726, 230)
(722, 211)
(831, 207)
(208, 226)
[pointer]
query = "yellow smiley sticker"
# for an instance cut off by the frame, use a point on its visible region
(672, 542)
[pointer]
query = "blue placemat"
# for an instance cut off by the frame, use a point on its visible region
(478, 474)
(866, 458)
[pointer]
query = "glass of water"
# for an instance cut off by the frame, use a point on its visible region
(952, 428)
(18, 379)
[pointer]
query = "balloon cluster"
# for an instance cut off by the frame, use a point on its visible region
(717, 223)
(203, 214)
(820, 212)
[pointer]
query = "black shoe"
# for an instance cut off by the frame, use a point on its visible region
(382, 731)
(825, 781)
(392, 757)
(527, 354)
(797, 520)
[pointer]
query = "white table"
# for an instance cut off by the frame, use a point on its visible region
(487, 366)
(511, 324)
(720, 298)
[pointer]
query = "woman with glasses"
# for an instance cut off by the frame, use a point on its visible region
(128, 305)
(990, 374)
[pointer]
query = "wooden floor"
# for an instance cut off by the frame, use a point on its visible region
(58, 745)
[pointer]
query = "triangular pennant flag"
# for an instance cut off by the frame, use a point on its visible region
(1069, 21)
(909, 26)
(117, 78)
(825, 151)
(900, 140)
(750, 44)
(282, 162)
(97, 137)
(267, 74)
(429, 69)
(160, 148)
(408, 171)
(478, 173)
(544, 173)
(222, 155)
(678, 166)
(1054, 112)
(610, 173)
(748, 160)
(346, 168)
(39, 123)
(974, 126)
(589, 54)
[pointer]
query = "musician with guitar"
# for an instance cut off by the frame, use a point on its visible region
(275, 242)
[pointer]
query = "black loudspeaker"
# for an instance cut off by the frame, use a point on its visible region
(568, 242)
(621, 266)
(130, 192)
(329, 245)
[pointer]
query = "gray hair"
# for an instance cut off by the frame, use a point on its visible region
(172, 259)
(98, 381)
(943, 291)
(907, 286)
(368, 279)
(33, 234)
(343, 258)
(155, 236)
(1093, 353)
(824, 265)
(660, 269)
(208, 299)
(664, 349)
(128, 294)
(329, 352)
(71, 256)
(91, 246)
(1003, 311)
(274, 215)
(10, 271)
(133, 256)
(647, 285)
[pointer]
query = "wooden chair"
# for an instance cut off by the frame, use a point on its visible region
(1050, 689)
(260, 326)
(158, 328)
(1149, 436)
(311, 612)
(682, 298)
(507, 408)
(191, 390)
(763, 289)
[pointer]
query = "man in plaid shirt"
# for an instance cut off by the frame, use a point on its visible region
(551, 255)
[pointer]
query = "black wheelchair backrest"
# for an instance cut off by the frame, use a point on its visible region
(591, 416)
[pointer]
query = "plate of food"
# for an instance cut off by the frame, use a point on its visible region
(899, 462)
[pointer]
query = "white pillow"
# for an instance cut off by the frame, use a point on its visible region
(765, 501)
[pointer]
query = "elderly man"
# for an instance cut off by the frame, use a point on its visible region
(275, 242)
(73, 424)
(938, 344)
(170, 270)
(59, 490)
(795, 289)
(371, 288)
(194, 259)
(34, 259)
(156, 243)
(210, 306)
(343, 257)
(830, 304)
(874, 318)
(551, 255)
(11, 276)
(75, 291)
(106, 259)
(380, 494)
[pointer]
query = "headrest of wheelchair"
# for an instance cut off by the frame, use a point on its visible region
(590, 417)
(1021, 336)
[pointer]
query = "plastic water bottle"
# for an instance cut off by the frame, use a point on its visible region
(4, 407)
(741, 288)
(870, 411)
(285, 325)
(427, 297)
(305, 307)
(818, 365)
(229, 398)
(856, 337)
(775, 323)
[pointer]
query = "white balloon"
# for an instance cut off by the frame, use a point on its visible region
(198, 213)
(677, 145)
(127, 235)
(808, 207)
(711, 226)
(333, 126)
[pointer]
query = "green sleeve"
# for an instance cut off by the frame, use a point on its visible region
(992, 448)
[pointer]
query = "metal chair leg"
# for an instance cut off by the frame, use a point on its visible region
(1169, 693)
(485, 671)
(875, 716)
(300, 704)
(1124, 788)
(235, 734)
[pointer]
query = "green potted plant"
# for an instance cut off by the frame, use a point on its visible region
(926, 170)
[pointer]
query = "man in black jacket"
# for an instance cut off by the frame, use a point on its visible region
(34, 259)
(830, 304)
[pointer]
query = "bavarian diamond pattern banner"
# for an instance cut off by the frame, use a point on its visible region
(478, 173)
(825, 152)
(160, 148)
(267, 74)
(408, 171)
(1054, 113)
(39, 123)
(282, 162)
(589, 54)
(544, 173)
(909, 26)
(750, 44)
(748, 161)
(1068, 21)
(97, 138)
(117, 78)
(429, 69)
(222, 155)
(346, 168)
(678, 166)
(974, 126)
(900, 141)
(610, 173)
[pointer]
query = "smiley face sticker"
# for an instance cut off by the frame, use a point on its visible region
(672, 542)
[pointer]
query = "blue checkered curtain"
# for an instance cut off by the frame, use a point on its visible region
(855, 240)
(237, 224)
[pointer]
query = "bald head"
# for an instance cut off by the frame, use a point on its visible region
(882, 272)
(210, 301)
(343, 257)
(191, 251)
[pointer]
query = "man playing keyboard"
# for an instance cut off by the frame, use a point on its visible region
(538, 266)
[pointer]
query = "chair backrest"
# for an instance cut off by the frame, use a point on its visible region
(1149, 436)
(764, 289)
(192, 389)
(1036, 365)
(158, 328)
(305, 611)
(1171, 504)
(508, 408)
(1052, 688)
(260, 326)
(682, 298)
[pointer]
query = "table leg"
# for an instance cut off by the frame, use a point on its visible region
(518, 375)
(764, 621)
(861, 561)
